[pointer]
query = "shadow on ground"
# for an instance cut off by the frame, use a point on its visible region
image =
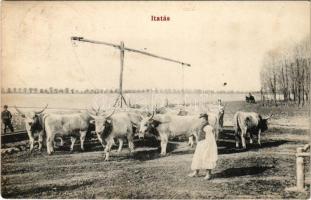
(242, 171)
(149, 147)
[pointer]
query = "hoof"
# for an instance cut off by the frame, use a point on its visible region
(208, 177)
(194, 174)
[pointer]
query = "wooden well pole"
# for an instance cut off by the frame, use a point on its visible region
(122, 49)
(183, 85)
(121, 73)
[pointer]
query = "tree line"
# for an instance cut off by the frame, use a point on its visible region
(287, 72)
(52, 90)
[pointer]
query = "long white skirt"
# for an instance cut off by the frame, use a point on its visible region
(205, 155)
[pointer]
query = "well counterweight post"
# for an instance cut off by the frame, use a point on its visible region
(121, 72)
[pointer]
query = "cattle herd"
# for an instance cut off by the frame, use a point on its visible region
(114, 123)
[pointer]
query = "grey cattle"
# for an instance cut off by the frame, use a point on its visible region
(116, 126)
(34, 124)
(167, 125)
(74, 125)
(248, 122)
(166, 110)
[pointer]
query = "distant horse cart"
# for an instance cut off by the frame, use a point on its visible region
(250, 99)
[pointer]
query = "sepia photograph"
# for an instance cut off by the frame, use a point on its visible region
(155, 99)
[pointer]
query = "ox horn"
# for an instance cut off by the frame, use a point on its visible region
(111, 113)
(100, 110)
(268, 117)
(151, 116)
(96, 111)
(91, 113)
(38, 112)
(19, 111)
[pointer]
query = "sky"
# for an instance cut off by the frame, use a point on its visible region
(223, 42)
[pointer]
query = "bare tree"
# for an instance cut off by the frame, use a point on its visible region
(288, 72)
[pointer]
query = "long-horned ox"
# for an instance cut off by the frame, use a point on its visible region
(34, 123)
(73, 125)
(119, 125)
(167, 125)
(251, 123)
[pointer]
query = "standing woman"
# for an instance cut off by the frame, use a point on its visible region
(205, 155)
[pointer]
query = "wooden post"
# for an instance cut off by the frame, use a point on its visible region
(152, 100)
(300, 176)
(121, 72)
(183, 85)
(300, 170)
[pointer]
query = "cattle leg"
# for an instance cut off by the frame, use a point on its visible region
(191, 142)
(131, 145)
(73, 140)
(120, 145)
(82, 139)
(164, 141)
(31, 140)
(40, 140)
(61, 141)
(250, 138)
(49, 144)
(130, 136)
(259, 137)
(100, 140)
(243, 137)
(237, 140)
(107, 149)
(191, 139)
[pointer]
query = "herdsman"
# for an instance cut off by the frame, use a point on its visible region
(6, 118)
(221, 110)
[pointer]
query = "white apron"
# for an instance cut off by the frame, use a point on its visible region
(205, 155)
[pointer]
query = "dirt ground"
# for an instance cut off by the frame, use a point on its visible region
(258, 172)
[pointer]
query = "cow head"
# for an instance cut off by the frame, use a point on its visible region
(32, 119)
(182, 112)
(100, 119)
(263, 123)
(146, 124)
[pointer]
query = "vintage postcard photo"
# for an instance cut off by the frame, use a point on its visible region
(155, 99)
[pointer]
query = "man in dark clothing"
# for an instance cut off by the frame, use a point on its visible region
(6, 118)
